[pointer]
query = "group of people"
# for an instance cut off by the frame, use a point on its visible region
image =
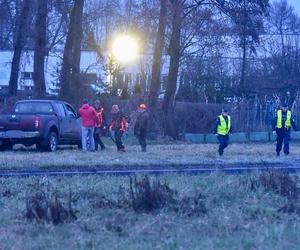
(93, 125)
(282, 124)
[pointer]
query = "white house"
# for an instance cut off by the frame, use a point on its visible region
(90, 63)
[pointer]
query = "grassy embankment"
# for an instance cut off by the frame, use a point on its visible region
(181, 155)
(189, 212)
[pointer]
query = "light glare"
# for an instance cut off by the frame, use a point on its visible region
(125, 48)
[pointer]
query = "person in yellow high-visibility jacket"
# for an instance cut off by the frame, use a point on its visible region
(222, 129)
(282, 124)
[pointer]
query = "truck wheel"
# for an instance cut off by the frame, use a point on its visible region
(51, 144)
(5, 145)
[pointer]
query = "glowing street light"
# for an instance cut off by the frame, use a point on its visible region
(125, 48)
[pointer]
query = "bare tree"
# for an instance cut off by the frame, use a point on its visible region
(21, 25)
(157, 55)
(180, 9)
(7, 23)
(283, 21)
(174, 52)
(40, 48)
(247, 16)
(281, 68)
(72, 52)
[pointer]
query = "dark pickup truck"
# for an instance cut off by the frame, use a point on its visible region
(46, 123)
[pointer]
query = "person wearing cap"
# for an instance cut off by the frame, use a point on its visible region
(88, 121)
(282, 124)
(141, 126)
(222, 129)
(100, 125)
(118, 126)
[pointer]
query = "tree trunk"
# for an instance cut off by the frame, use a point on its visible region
(157, 57)
(17, 20)
(77, 36)
(174, 51)
(40, 48)
(244, 49)
(18, 47)
(71, 58)
(243, 71)
(76, 78)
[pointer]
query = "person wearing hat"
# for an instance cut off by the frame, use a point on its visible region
(118, 126)
(141, 126)
(282, 124)
(222, 129)
(100, 125)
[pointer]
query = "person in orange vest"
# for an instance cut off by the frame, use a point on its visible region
(118, 126)
(100, 125)
(141, 126)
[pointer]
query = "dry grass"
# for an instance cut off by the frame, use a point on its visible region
(236, 216)
(157, 155)
(44, 206)
(146, 196)
(281, 183)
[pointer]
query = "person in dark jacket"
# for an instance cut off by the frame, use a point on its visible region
(100, 125)
(141, 126)
(118, 126)
(222, 129)
(282, 124)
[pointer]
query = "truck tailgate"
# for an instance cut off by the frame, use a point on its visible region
(17, 122)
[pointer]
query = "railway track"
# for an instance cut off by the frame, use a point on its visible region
(234, 169)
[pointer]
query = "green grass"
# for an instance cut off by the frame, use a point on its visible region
(157, 155)
(238, 216)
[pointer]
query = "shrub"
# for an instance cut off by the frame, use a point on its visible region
(280, 183)
(147, 197)
(46, 207)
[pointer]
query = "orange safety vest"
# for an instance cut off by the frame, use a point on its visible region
(123, 124)
(100, 117)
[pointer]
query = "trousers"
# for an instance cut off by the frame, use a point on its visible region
(223, 143)
(283, 137)
(97, 138)
(118, 139)
(87, 138)
(142, 139)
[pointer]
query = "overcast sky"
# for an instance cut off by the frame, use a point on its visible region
(295, 3)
